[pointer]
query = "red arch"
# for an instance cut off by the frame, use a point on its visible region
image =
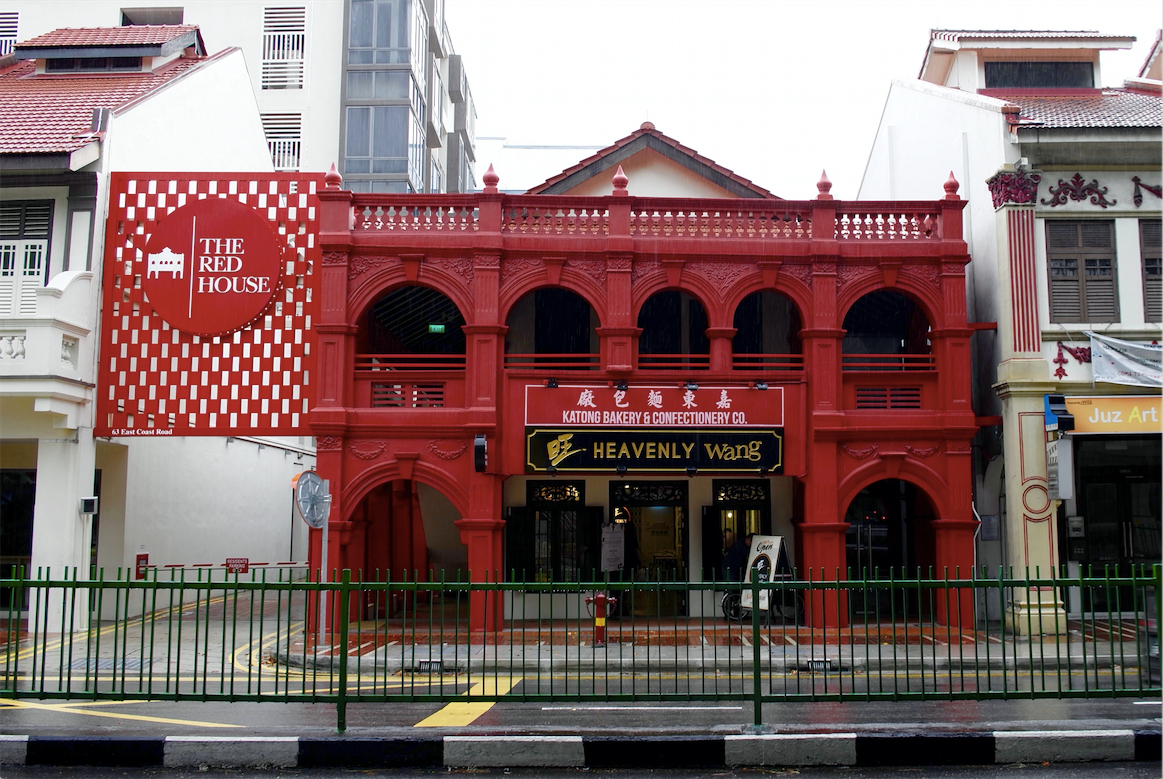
(449, 485)
(384, 280)
(919, 475)
(578, 283)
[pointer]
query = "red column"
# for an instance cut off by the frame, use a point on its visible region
(722, 347)
(824, 557)
(953, 552)
(483, 539)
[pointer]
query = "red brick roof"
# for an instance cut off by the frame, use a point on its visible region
(133, 35)
(648, 129)
(49, 114)
(1107, 108)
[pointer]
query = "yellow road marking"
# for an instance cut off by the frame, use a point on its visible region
(69, 708)
(458, 715)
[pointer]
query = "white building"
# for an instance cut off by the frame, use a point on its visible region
(1063, 225)
(373, 86)
(76, 105)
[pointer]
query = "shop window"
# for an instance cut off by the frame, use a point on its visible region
(555, 537)
(1149, 243)
(1081, 258)
(25, 227)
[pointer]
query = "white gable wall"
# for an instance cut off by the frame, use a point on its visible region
(652, 175)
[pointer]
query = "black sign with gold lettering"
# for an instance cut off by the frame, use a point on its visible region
(574, 449)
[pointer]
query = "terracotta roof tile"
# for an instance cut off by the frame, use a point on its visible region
(649, 129)
(133, 35)
(1109, 108)
(54, 113)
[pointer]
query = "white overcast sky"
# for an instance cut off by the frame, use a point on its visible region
(774, 90)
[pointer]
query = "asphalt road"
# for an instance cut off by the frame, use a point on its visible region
(1014, 771)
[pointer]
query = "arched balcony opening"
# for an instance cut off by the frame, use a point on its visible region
(887, 356)
(408, 342)
(767, 334)
(552, 328)
(674, 334)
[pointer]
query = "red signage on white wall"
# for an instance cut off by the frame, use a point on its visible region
(212, 266)
(209, 303)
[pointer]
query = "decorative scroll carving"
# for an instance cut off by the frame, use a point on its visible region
(722, 273)
(447, 450)
(334, 258)
(824, 267)
(1078, 189)
(510, 268)
(360, 265)
(749, 491)
(1140, 185)
(952, 268)
(618, 263)
(594, 268)
(1017, 187)
(860, 454)
(461, 266)
(556, 492)
(643, 269)
(328, 443)
(957, 446)
(487, 260)
(922, 452)
(849, 273)
(801, 272)
(1079, 353)
(930, 273)
(370, 450)
(645, 493)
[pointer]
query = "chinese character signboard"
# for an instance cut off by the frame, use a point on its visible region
(653, 428)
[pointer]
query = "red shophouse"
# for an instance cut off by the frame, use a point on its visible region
(506, 379)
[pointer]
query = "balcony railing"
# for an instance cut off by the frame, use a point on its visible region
(409, 380)
(577, 362)
(661, 218)
(674, 362)
(409, 362)
(888, 362)
(768, 362)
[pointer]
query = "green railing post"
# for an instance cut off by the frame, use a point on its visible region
(756, 681)
(344, 608)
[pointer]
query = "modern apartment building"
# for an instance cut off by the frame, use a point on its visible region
(372, 86)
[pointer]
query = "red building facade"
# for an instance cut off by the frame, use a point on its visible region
(819, 343)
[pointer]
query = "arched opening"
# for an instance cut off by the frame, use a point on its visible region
(886, 330)
(674, 333)
(414, 333)
(408, 534)
(889, 535)
(552, 328)
(767, 334)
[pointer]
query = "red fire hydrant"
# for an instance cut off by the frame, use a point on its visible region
(600, 605)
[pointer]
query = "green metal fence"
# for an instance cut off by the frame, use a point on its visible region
(258, 638)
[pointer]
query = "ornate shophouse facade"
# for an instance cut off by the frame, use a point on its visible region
(545, 386)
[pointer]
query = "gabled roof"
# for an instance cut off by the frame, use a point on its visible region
(147, 40)
(942, 43)
(1153, 65)
(1109, 108)
(53, 114)
(647, 137)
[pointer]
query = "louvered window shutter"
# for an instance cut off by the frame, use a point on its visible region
(1150, 234)
(24, 233)
(1083, 282)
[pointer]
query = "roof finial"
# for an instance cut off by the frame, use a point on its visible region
(620, 181)
(647, 125)
(824, 186)
(491, 179)
(951, 187)
(332, 179)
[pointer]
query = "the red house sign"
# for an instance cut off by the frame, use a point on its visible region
(212, 267)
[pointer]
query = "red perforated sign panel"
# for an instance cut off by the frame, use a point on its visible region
(248, 275)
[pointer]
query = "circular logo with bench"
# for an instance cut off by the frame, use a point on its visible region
(212, 266)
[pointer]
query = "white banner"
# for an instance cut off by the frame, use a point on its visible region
(1126, 362)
